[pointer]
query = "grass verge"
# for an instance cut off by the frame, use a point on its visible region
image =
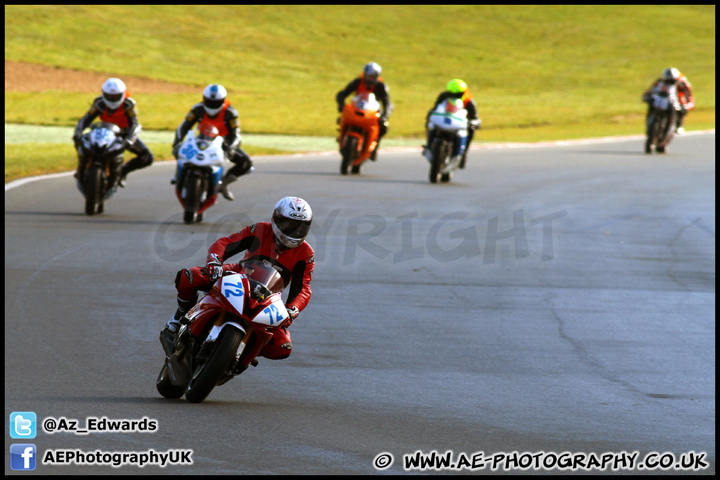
(26, 160)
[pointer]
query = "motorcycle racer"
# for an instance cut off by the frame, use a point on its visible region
(116, 106)
(673, 76)
(456, 88)
(215, 109)
(281, 242)
(370, 81)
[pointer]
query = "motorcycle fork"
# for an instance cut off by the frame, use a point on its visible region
(112, 171)
(259, 339)
(239, 366)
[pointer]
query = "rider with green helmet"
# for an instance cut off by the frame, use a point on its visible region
(456, 88)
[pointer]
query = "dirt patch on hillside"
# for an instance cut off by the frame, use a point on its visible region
(29, 77)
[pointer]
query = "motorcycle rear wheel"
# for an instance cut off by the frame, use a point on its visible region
(215, 367)
(349, 152)
(167, 389)
(93, 190)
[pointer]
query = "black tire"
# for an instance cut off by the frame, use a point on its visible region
(440, 150)
(207, 374)
(660, 131)
(463, 161)
(193, 190)
(93, 189)
(652, 132)
(167, 389)
(349, 152)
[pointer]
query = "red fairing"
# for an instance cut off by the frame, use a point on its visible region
(208, 203)
(209, 306)
(274, 345)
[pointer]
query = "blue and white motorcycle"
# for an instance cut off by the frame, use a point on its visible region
(199, 171)
(448, 128)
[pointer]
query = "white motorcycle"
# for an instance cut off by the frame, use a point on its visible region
(199, 171)
(448, 124)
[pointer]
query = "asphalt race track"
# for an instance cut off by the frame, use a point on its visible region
(548, 299)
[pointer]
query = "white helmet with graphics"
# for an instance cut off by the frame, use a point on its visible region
(291, 221)
(670, 76)
(214, 98)
(113, 92)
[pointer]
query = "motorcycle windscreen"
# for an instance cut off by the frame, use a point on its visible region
(263, 272)
(234, 291)
(272, 315)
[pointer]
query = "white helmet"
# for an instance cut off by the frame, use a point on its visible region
(371, 72)
(113, 92)
(291, 221)
(670, 75)
(213, 98)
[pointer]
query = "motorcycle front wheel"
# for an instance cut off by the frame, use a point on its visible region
(193, 190)
(440, 151)
(349, 152)
(207, 374)
(93, 190)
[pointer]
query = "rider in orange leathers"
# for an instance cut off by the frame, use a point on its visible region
(673, 76)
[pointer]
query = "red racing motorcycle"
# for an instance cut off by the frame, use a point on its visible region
(228, 328)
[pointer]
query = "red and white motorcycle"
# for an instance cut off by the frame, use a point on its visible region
(199, 171)
(228, 328)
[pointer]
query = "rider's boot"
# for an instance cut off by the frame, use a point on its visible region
(229, 178)
(168, 335)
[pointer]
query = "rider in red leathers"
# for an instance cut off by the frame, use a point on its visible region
(280, 242)
(673, 76)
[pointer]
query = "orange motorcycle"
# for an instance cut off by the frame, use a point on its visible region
(359, 131)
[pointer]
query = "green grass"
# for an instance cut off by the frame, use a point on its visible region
(555, 69)
(26, 160)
